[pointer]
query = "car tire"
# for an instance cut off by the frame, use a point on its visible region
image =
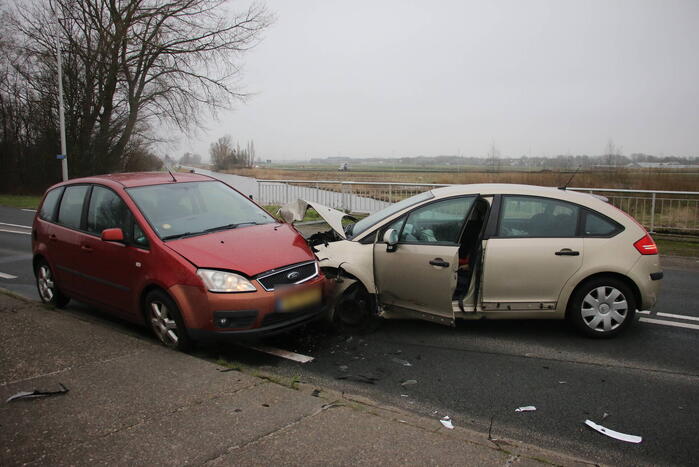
(164, 318)
(602, 307)
(355, 311)
(49, 292)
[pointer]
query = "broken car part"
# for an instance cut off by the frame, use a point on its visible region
(36, 393)
(613, 434)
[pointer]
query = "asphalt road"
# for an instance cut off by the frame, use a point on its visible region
(645, 381)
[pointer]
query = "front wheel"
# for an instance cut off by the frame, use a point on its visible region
(602, 307)
(46, 285)
(355, 311)
(165, 320)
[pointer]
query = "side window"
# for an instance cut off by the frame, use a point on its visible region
(139, 238)
(438, 222)
(528, 216)
(70, 212)
(597, 225)
(48, 208)
(107, 211)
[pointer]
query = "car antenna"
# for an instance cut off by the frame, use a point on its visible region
(171, 174)
(570, 179)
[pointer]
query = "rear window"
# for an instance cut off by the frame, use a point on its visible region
(70, 212)
(599, 226)
(48, 208)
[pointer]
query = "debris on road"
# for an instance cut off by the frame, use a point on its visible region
(359, 378)
(613, 434)
(526, 408)
(315, 393)
(37, 393)
(401, 362)
(408, 382)
(446, 421)
(605, 416)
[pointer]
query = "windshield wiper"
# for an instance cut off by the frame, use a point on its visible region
(182, 235)
(231, 226)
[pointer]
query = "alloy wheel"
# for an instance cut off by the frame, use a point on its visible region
(163, 323)
(46, 283)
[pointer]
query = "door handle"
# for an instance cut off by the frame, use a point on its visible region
(439, 262)
(86, 248)
(52, 237)
(567, 252)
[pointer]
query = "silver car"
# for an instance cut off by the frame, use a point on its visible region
(494, 251)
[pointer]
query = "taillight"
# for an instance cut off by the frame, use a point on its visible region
(646, 246)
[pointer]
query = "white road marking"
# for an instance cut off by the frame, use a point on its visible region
(7, 276)
(15, 231)
(669, 323)
(297, 357)
(16, 225)
(670, 315)
(643, 312)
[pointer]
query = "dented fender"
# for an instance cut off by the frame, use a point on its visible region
(353, 258)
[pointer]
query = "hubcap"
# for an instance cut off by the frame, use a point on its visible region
(45, 281)
(162, 323)
(604, 309)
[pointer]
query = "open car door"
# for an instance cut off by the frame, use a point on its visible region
(417, 273)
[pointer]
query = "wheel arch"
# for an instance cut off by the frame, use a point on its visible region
(621, 277)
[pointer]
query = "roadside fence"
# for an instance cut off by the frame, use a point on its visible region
(658, 211)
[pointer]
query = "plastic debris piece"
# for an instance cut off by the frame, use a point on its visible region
(408, 382)
(37, 393)
(563, 382)
(315, 392)
(526, 408)
(613, 434)
(402, 362)
(404, 395)
(605, 416)
(446, 421)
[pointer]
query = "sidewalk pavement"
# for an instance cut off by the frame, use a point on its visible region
(132, 401)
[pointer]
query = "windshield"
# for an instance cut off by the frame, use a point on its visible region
(179, 210)
(370, 221)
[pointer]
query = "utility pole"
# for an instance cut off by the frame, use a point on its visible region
(63, 156)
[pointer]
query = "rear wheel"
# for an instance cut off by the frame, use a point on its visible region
(355, 311)
(602, 307)
(46, 285)
(165, 320)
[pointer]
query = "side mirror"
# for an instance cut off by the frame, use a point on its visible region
(112, 235)
(390, 238)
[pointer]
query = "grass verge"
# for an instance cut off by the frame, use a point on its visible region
(677, 247)
(20, 201)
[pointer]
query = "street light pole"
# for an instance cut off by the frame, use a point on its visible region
(63, 156)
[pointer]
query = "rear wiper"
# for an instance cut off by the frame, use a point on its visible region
(230, 226)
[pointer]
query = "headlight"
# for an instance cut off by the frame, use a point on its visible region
(222, 281)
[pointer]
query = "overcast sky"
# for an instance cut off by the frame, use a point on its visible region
(407, 78)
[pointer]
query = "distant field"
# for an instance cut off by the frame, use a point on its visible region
(638, 179)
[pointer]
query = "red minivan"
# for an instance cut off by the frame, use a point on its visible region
(184, 253)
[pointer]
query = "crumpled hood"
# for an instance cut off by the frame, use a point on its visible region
(251, 250)
(296, 210)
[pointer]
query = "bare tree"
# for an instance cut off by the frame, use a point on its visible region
(493, 158)
(612, 153)
(223, 156)
(131, 63)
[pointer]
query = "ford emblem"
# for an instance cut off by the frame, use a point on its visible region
(293, 275)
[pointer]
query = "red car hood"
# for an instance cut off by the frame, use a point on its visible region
(250, 250)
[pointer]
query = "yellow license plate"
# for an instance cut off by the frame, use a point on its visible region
(301, 299)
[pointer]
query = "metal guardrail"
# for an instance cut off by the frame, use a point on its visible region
(658, 211)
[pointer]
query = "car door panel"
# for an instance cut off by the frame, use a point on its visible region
(527, 274)
(405, 277)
